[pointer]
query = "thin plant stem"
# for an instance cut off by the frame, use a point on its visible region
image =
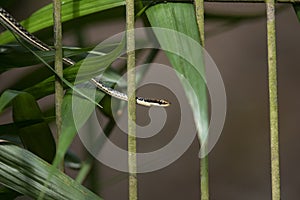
(204, 182)
(132, 163)
(199, 9)
(58, 68)
(272, 74)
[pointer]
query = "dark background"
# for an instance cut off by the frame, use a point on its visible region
(239, 165)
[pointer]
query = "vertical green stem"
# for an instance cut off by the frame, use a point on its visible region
(275, 172)
(132, 163)
(199, 8)
(204, 183)
(204, 178)
(58, 66)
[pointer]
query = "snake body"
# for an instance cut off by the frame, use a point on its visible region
(10, 23)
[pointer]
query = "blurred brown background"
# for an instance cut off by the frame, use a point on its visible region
(239, 165)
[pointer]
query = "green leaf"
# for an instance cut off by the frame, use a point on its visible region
(70, 10)
(6, 129)
(9, 53)
(180, 17)
(36, 137)
(6, 97)
(12, 128)
(25, 173)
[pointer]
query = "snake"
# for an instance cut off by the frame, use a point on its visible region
(9, 22)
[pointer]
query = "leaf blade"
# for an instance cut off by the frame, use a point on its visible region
(26, 173)
(37, 137)
(70, 10)
(180, 17)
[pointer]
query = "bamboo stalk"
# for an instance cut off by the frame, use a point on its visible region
(132, 163)
(204, 182)
(274, 140)
(58, 68)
